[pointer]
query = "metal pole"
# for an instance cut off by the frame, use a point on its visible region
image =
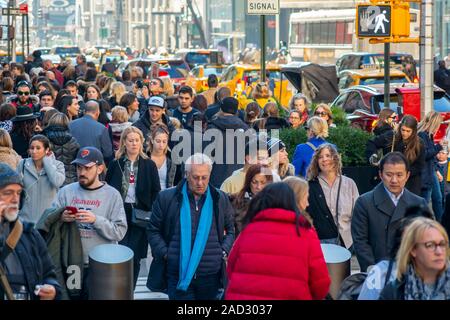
(387, 78)
(23, 38)
(263, 48)
(9, 24)
(426, 57)
(28, 34)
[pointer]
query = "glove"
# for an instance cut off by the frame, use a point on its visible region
(373, 160)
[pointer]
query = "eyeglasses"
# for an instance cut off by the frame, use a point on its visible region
(432, 246)
(323, 113)
(294, 118)
(154, 83)
(23, 93)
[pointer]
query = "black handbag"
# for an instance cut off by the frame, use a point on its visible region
(139, 217)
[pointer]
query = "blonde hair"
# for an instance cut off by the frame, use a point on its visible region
(410, 238)
(318, 127)
(118, 89)
(300, 187)
(327, 109)
(314, 169)
(431, 123)
(5, 139)
(119, 114)
(262, 91)
(176, 123)
(168, 87)
(122, 150)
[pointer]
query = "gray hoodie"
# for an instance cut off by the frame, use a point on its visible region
(107, 205)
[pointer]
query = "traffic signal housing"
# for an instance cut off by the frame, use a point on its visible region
(401, 20)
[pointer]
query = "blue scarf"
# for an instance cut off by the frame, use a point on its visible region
(189, 260)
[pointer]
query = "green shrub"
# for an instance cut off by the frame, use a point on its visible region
(339, 117)
(351, 143)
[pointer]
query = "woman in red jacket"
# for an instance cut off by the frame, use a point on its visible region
(278, 253)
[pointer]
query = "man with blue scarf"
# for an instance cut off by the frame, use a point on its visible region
(190, 232)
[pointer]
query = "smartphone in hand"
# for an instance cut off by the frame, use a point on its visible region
(73, 210)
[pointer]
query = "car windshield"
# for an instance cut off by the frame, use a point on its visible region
(198, 58)
(254, 75)
(441, 102)
(379, 103)
(209, 71)
(67, 51)
(371, 81)
(176, 69)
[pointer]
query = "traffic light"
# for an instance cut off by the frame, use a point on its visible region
(39, 14)
(401, 19)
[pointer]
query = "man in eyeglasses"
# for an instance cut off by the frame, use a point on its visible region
(23, 97)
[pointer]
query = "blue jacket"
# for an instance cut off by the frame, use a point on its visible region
(303, 155)
(91, 133)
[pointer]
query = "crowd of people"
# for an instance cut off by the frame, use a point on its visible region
(90, 159)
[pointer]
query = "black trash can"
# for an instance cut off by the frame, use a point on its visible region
(110, 272)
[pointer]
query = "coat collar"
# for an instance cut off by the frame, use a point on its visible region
(384, 203)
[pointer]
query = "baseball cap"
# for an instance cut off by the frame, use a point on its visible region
(156, 102)
(88, 157)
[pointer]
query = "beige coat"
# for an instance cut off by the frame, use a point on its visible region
(10, 157)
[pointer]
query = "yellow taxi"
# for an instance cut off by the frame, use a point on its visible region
(242, 78)
(369, 76)
(198, 77)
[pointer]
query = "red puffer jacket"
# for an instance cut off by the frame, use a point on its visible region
(270, 261)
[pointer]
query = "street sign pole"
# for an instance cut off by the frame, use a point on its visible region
(263, 48)
(387, 76)
(426, 57)
(23, 38)
(28, 34)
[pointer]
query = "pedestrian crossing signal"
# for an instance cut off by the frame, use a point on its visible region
(373, 21)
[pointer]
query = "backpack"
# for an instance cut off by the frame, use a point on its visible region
(351, 286)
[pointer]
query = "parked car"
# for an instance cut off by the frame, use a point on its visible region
(354, 77)
(358, 60)
(363, 103)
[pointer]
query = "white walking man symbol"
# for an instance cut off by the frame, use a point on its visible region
(379, 20)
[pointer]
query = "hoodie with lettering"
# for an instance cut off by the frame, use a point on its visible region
(106, 203)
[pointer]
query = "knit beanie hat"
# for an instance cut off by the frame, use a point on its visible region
(229, 105)
(8, 176)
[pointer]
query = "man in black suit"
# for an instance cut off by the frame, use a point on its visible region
(376, 213)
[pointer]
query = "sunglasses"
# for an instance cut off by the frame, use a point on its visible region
(154, 83)
(323, 113)
(23, 93)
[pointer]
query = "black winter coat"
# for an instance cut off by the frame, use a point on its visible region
(166, 214)
(384, 142)
(147, 184)
(221, 169)
(375, 222)
(20, 144)
(144, 125)
(35, 259)
(271, 123)
(65, 147)
(431, 150)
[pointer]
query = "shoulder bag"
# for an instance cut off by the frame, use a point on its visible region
(139, 218)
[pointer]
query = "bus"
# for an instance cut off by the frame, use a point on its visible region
(322, 36)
